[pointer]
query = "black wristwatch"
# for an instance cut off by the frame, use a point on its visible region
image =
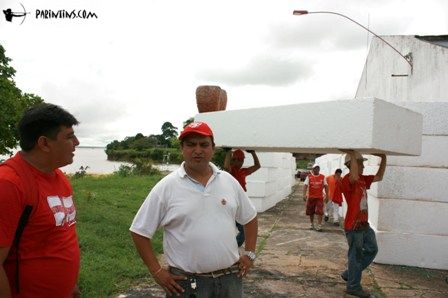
(251, 255)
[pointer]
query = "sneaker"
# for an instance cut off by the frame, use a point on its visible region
(358, 293)
(312, 226)
(344, 277)
(318, 228)
(326, 218)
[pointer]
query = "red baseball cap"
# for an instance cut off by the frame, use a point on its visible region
(238, 154)
(201, 128)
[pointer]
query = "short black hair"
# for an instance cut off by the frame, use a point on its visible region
(338, 171)
(44, 119)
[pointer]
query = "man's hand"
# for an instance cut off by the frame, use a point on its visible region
(169, 283)
(244, 264)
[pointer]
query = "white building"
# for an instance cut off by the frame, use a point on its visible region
(409, 208)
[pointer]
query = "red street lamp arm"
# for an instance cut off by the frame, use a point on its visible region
(303, 12)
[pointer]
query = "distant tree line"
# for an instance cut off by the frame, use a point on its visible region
(159, 148)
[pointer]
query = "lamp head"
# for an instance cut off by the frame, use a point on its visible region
(300, 12)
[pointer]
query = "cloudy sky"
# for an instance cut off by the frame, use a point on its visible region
(138, 64)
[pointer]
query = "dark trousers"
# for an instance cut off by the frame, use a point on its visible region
(240, 236)
(225, 286)
(362, 249)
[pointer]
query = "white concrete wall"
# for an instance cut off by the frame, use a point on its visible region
(426, 83)
(273, 181)
(409, 208)
(369, 125)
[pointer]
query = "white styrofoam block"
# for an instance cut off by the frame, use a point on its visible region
(260, 188)
(409, 216)
(263, 174)
(434, 115)
(412, 183)
(264, 203)
(427, 251)
(369, 125)
(270, 159)
(374, 206)
(434, 154)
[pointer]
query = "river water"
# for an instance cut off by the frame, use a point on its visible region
(96, 160)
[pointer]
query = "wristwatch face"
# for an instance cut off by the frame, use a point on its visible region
(252, 256)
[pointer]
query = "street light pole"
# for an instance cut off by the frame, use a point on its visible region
(407, 57)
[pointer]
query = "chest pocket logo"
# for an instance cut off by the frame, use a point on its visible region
(63, 210)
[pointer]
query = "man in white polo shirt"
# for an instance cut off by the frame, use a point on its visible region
(197, 207)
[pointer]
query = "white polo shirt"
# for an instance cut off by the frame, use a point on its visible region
(198, 221)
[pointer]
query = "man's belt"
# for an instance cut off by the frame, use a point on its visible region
(232, 269)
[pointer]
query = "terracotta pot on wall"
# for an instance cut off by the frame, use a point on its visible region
(223, 100)
(210, 98)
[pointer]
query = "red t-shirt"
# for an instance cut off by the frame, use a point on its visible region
(316, 186)
(356, 196)
(49, 250)
(240, 176)
(334, 189)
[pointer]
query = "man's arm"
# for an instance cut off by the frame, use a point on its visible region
(161, 276)
(305, 188)
(354, 170)
(379, 175)
(5, 291)
(250, 244)
(250, 232)
(227, 159)
(256, 165)
(326, 193)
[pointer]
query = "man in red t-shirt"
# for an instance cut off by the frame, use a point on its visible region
(334, 195)
(360, 236)
(313, 193)
(233, 163)
(44, 262)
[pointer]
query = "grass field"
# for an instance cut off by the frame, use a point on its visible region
(106, 206)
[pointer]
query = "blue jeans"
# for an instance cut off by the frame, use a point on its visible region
(225, 286)
(362, 249)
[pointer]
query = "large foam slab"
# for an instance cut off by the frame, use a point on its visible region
(434, 115)
(408, 216)
(434, 154)
(427, 251)
(368, 125)
(412, 183)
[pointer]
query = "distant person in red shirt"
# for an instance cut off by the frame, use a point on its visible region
(313, 194)
(44, 261)
(233, 163)
(334, 195)
(360, 236)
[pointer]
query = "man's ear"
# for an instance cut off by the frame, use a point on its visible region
(43, 143)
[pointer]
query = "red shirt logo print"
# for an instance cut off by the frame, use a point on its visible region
(63, 210)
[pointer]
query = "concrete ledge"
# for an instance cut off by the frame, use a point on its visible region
(427, 251)
(408, 216)
(412, 183)
(368, 125)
